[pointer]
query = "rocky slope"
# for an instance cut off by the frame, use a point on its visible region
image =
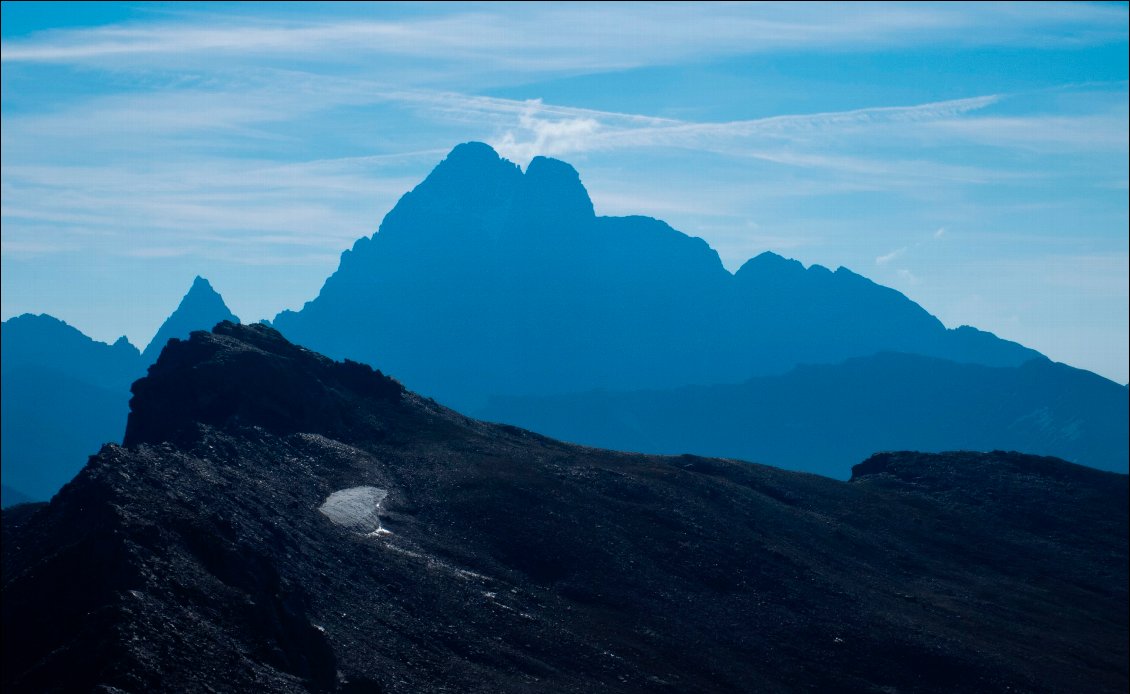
(277, 521)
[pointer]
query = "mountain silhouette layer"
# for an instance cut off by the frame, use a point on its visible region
(65, 394)
(11, 497)
(62, 395)
(487, 280)
(277, 521)
(200, 309)
(825, 418)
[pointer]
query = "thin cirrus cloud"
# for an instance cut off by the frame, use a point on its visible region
(888, 257)
(589, 130)
(236, 195)
(539, 37)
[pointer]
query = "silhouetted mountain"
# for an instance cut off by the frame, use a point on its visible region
(281, 522)
(47, 342)
(486, 280)
(823, 418)
(62, 395)
(200, 309)
(803, 316)
(10, 496)
(51, 423)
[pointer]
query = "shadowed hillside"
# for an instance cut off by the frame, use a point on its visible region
(280, 522)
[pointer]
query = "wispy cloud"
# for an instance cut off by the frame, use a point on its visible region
(315, 203)
(559, 130)
(888, 257)
(908, 277)
(537, 37)
(238, 209)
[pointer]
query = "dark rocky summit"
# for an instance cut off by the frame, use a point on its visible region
(277, 521)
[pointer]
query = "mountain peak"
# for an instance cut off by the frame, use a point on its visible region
(554, 190)
(201, 285)
(771, 269)
(472, 152)
(200, 309)
(44, 341)
(469, 162)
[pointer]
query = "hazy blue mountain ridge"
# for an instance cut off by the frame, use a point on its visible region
(819, 418)
(65, 394)
(484, 280)
(47, 342)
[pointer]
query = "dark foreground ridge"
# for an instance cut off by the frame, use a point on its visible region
(277, 521)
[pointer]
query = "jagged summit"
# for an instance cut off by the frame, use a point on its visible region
(474, 156)
(472, 174)
(248, 375)
(476, 196)
(553, 188)
(200, 309)
(486, 280)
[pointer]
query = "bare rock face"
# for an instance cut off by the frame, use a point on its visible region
(277, 521)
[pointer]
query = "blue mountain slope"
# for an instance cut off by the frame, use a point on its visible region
(823, 418)
(488, 280)
(200, 309)
(64, 394)
(46, 341)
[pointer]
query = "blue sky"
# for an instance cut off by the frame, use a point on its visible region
(972, 156)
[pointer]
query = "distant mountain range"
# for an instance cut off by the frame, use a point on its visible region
(501, 292)
(486, 280)
(64, 394)
(825, 418)
(279, 522)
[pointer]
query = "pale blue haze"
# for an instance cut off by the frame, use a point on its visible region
(972, 156)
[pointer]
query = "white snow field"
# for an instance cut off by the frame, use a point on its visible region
(356, 508)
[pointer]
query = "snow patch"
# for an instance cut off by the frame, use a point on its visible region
(356, 508)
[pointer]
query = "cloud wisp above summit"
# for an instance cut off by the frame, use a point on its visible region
(163, 141)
